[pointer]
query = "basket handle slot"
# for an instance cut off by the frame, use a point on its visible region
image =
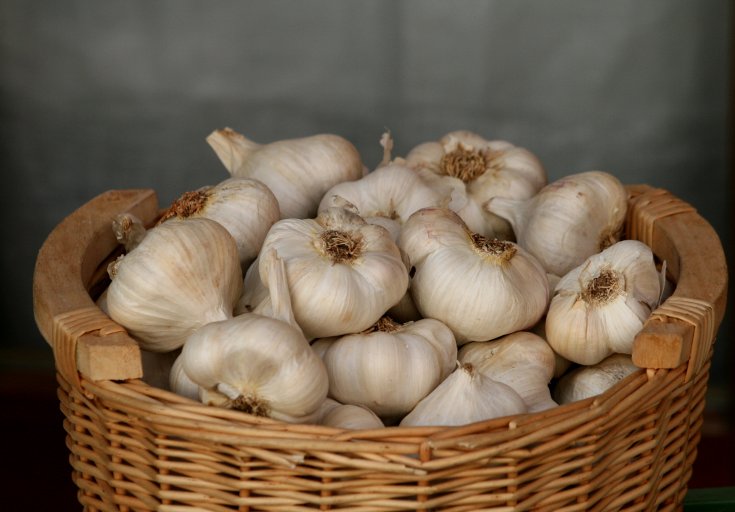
(683, 328)
(83, 338)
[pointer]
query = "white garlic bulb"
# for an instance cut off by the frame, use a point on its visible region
(386, 196)
(352, 417)
(522, 360)
(587, 381)
(184, 274)
(257, 364)
(568, 220)
(466, 396)
(246, 208)
(480, 288)
(343, 273)
(389, 367)
(180, 383)
(298, 171)
(254, 291)
(476, 170)
(600, 306)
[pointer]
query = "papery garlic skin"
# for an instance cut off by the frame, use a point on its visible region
(600, 306)
(522, 360)
(245, 207)
(256, 364)
(466, 396)
(298, 171)
(588, 381)
(388, 369)
(568, 220)
(480, 288)
(476, 170)
(351, 417)
(184, 274)
(180, 383)
(387, 196)
(343, 273)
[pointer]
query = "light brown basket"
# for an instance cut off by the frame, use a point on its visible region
(136, 447)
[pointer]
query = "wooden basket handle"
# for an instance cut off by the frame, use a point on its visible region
(83, 338)
(683, 328)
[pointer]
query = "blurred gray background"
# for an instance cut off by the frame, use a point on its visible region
(104, 95)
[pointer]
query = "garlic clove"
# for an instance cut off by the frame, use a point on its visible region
(351, 417)
(169, 285)
(480, 288)
(600, 306)
(298, 171)
(568, 220)
(522, 360)
(466, 396)
(588, 381)
(246, 208)
(179, 381)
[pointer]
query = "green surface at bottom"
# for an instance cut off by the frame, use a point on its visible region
(717, 499)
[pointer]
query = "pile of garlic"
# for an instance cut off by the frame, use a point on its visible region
(451, 286)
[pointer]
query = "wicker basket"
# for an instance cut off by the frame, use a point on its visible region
(136, 447)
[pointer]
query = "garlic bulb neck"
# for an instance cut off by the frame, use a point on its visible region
(468, 164)
(385, 324)
(340, 246)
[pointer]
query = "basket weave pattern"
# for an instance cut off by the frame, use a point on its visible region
(136, 447)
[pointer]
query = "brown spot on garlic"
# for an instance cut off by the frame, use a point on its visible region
(501, 249)
(341, 247)
(187, 205)
(603, 288)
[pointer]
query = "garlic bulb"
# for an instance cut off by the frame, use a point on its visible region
(587, 381)
(257, 364)
(466, 396)
(254, 291)
(480, 288)
(298, 171)
(389, 367)
(522, 360)
(476, 170)
(184, 274)
(343, 273)
(352, 417)
(600, 306)
(386, 196)
(246, 208)
(180, 383)
(568, 220)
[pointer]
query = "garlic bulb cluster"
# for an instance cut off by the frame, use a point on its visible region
(297, 171)
(475, 170)
(343, 273)
(466, 396)
(481, 288)
(568, 220)
(246, 208)
(587, 381)
(389, 367)
(387, 196)
(182, 275)
(601, 305)
(258, 364)
(522, 360)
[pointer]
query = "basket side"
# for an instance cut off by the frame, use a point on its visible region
(83, 338)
